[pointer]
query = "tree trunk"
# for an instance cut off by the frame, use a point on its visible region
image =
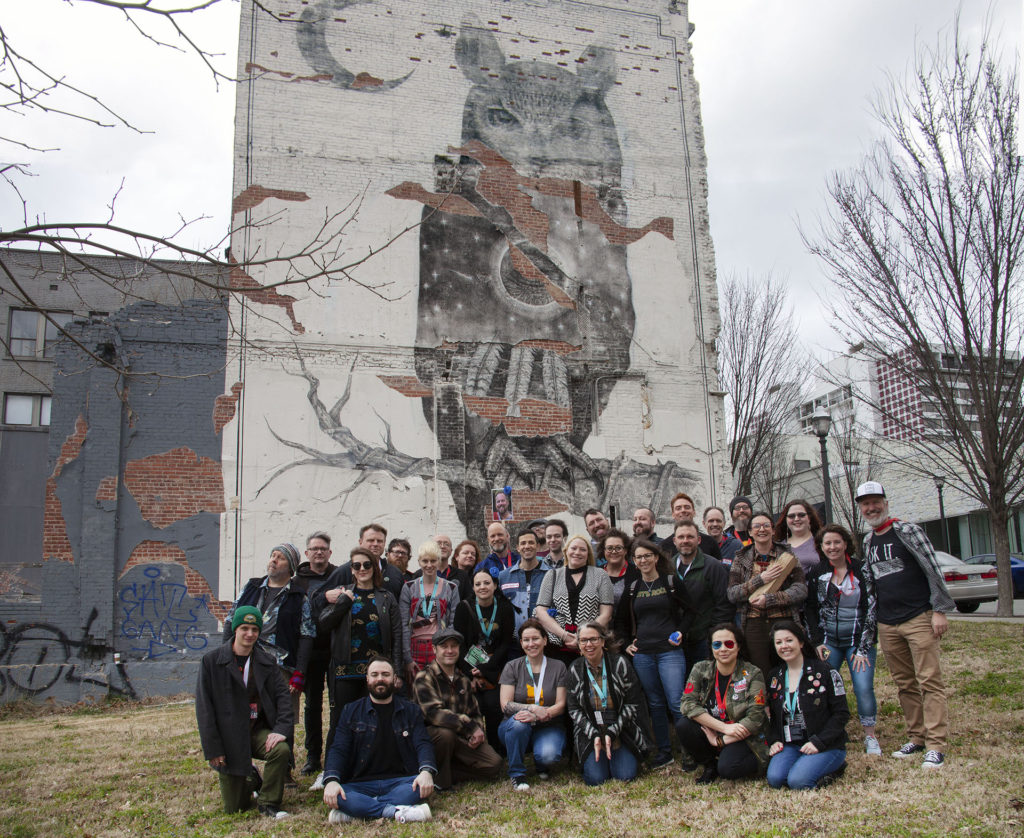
(1001, 541)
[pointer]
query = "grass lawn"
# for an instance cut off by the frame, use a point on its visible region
(129, 769)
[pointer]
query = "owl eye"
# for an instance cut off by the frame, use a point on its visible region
(499, 117)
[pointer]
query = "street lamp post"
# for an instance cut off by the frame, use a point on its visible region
(940, 483)
(821, 419)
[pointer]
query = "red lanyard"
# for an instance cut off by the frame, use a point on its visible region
(721, 696)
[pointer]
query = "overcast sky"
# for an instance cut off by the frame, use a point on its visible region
(786, 88)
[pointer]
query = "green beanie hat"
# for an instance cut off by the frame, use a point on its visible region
(247, 615)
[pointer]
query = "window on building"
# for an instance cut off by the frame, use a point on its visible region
(32, 335)
(27, 409)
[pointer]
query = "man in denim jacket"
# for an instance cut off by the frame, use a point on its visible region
(381, 763)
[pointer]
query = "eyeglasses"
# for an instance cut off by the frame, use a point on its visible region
(587, 641)
(644, 556)
(361, 566)
(615, 548)
(793, 515)
(400, 553)
(760, 526)
(741, 507)
(718, 644)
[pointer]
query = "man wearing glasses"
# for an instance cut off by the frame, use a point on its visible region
(310, 578)
(740, 509)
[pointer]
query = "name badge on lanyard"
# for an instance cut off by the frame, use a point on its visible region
(601, 692)
(535, 689)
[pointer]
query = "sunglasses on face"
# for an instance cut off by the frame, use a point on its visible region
(718, 644)
(792, 515)
(361, 566)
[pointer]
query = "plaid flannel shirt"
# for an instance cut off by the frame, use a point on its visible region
(448, 702)
(921, 549)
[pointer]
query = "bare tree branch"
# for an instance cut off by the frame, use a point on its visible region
(924, 242)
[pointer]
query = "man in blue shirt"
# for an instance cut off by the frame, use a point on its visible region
(521, 583)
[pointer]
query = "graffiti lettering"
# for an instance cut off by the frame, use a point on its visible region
(160, 616)
(36, 656)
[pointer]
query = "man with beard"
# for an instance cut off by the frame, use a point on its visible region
(381, 763)
(501, 557)
(454, 721)
(597, 525)
(682, 509)
(740, 509)
(310, 577)
(912, 600)
(643, 524)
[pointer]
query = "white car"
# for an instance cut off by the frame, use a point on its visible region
(969, 584)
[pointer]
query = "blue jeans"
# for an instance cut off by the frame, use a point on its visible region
(372, 799)
(863, 681)
(661, 675)
(548, 744)
(791, 768)
(622, 766)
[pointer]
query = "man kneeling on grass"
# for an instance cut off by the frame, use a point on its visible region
(379, 745)
(244, 711)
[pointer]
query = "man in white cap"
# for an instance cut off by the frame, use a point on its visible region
(899, 562)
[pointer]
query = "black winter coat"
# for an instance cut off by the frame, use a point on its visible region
(222, 705)
(822, 700)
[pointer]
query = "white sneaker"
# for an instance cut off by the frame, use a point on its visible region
(412, 814)
(871, 746)
(337, 816)
(519, 784)
(318, 783)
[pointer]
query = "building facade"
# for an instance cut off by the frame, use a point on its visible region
(540, 308)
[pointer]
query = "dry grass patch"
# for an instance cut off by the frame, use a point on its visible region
(131, 770)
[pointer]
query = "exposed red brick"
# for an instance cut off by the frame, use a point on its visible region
(407, 385)
(454, 204)
(175, 485)
(55, 532)
(522, 263)
(366, 80)
(224, 407)
(558, 346)
(537, 418)
(160, 552)
(107, 490)
(251, 67)
(255, 195)
(528, 505)
(245, 284)
(11, 581)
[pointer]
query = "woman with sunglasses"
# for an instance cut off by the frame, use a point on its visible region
(577, 593)
(797, 528)
(807, 737)
(363, 622)
(842, 616)
(723, 711)
(765, 561)
(533, 699)
(659, 614)
(611, 728)
(487, 623)
(427, 606)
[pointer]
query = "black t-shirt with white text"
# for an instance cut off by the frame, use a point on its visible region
(901, 586)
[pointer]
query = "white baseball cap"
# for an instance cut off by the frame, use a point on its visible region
(866, 490)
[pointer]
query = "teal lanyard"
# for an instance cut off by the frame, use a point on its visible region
(602, 695)
(490, 623)
(538, 682)
(427, 602)
(791, 698)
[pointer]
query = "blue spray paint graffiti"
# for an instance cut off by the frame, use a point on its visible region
(160, 617)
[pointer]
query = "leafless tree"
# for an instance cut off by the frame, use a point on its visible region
(30, 89)
(924, 243)
(760, 364)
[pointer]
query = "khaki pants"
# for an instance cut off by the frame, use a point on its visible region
(457, 762)
(912, 655)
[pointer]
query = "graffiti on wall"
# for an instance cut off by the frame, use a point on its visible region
(37, 657)
(157, 615)
(525, 314)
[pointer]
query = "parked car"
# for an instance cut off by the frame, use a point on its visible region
(1016, 569)
(969, 584)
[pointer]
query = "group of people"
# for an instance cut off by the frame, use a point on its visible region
(605, 640)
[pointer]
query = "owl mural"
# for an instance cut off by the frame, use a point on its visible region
(525, 313)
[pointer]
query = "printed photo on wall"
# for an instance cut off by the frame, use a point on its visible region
(501, 505)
